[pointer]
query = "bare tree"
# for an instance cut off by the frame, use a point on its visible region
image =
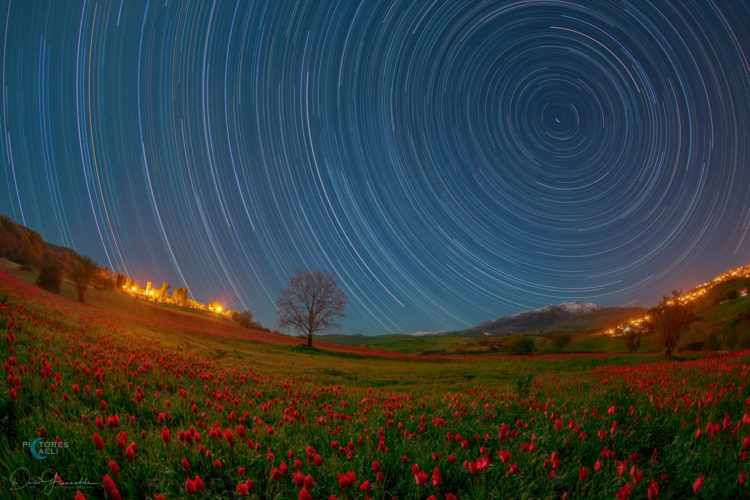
(669, 319)
(311, 303)
(82, 272)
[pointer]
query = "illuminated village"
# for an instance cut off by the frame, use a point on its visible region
(695, 294)
(161, 295)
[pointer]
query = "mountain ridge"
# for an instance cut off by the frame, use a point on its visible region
(564, 316)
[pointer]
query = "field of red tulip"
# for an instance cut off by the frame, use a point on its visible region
(91, 410)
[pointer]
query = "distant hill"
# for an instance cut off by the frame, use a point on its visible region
(565, 316)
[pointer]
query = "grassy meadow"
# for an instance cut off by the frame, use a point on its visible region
(127, 399)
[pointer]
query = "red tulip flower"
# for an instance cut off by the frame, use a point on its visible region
(275, 473)
(653, 490)
(309, 482)
(198, 482)
(437, 479)
(110, 487)
(698, 484)
(98, 442)
(131, 451)
(299, 479)
(242, 490)
(583, 474)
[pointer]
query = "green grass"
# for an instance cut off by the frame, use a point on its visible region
(199, 372)
(406, 344)
(724, 312)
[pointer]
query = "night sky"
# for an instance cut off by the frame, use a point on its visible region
(450, 161)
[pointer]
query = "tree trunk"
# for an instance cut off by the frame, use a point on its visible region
(80, 294)
(309, 338)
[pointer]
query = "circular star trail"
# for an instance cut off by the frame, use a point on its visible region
(449, 161)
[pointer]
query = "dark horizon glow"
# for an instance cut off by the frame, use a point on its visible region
(449, 161)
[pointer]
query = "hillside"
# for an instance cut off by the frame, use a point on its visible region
(151, 401)
(26, 247)
(186, 328)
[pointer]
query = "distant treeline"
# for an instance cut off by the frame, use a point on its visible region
(28, 248)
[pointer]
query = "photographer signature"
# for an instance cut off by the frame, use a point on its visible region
(48, 481)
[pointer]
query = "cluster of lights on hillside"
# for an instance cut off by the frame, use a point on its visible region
(160, 295)
(695, 294)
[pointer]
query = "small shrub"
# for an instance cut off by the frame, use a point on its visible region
(50, 278)
(632, 340)
(560, 340)
(519, 346)
(244, 319)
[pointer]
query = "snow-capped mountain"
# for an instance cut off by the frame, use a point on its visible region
(425, 334)
(565, 316)
(575, 308)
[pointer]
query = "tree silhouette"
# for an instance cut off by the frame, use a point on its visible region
(311, 303)
(82, 272)
(632, 339)
(669, 319)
